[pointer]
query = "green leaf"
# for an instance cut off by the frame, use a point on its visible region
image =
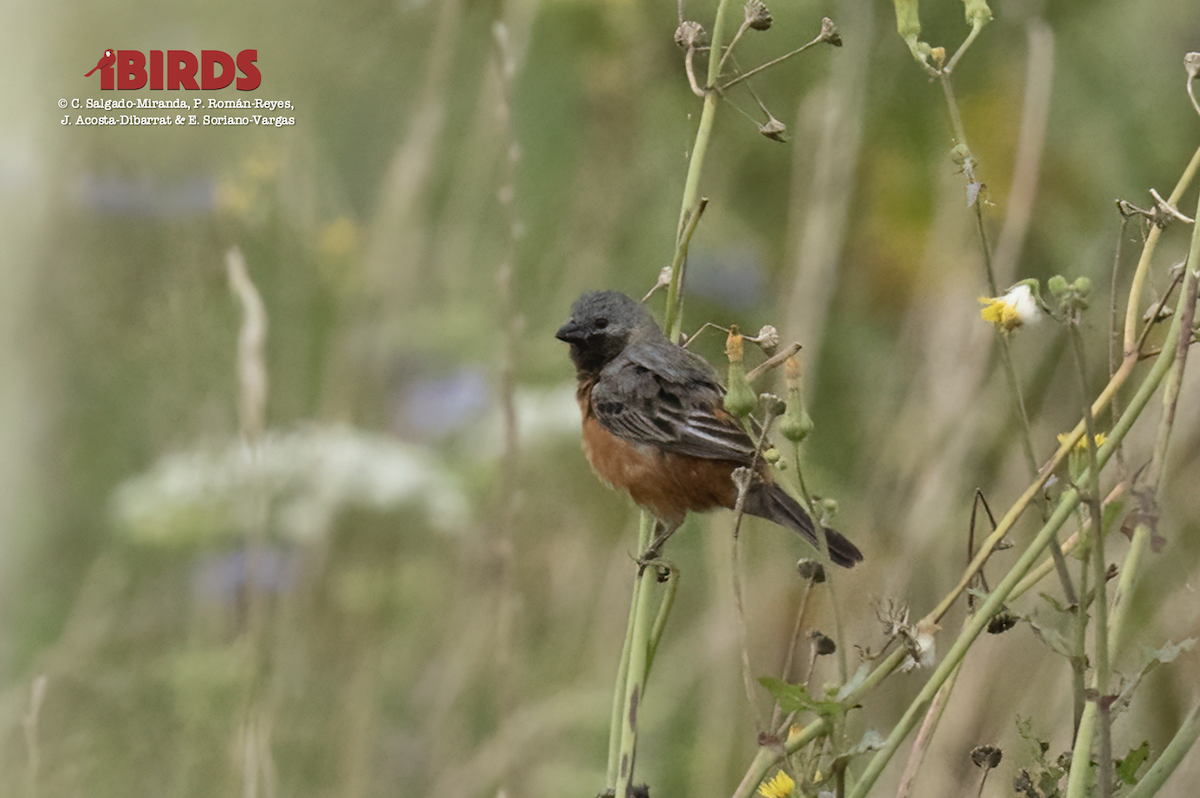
(796, 698)
(1127, 768)
(1170, 651)
(1055, 603)
(871, 741)
(1056, 633)
(791, 697)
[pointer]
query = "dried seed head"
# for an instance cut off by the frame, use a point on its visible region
(690, 35)
(767, 339)
(1191, 62)
(811, 571)
(986, 756)
(771, 404)
(757, 15)
(774, 130)
(1001, 622)
(829, 32)
(822, 643)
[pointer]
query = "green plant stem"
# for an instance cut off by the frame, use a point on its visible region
(958, 649)
(1133, 311)
(823, 547)
(1186, 736)
(1171, 757)
(729, 50)
(1187, 304)
(962, 49)
(1080, 776)
(933, 716)
(1096, 558)
(618, 702)
(637, 654)
(1125, 584)
(671, 587)
(769, 755)
(635, 682)
(673, 323)
(642, 634)
(1010, 371)
(674, 316)
(1079, 654)
(1066, 507)
(790, 656)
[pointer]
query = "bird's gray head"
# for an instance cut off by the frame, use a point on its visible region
(602, 324)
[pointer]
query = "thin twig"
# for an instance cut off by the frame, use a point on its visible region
(745, 75)
(774, 361)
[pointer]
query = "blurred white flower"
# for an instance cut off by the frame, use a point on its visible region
(306, 478)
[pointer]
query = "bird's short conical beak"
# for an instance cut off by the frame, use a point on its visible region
(569, 332)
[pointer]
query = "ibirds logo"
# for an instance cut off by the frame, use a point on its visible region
(177, 69)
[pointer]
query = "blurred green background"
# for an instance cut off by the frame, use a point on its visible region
(387, 601)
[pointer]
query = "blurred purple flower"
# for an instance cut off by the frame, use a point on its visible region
(146, 196)
(225, 577)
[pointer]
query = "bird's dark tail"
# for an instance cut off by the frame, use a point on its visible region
(774, 504)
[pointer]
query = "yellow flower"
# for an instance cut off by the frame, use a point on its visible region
(1081, 444)
(1077, 459)
(1019, 305)
(779, 787)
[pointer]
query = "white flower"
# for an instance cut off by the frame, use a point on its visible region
(1020, 305)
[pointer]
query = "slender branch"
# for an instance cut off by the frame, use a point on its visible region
(1066, 507)
(1132, 312)
(746, 75)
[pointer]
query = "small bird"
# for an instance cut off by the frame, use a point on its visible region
(655, 425)
(108, 59)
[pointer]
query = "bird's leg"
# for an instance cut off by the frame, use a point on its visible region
(662, 533)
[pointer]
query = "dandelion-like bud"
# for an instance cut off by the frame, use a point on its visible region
(774, 130)
(690, 35)
(1191, 62)
(829, 507)
(796, 422)
(811, 571)
(922, 651)
(757, 15)
(1001, 622)
(767, 339)
(771, 404)
(986, 756)
(829, 32)
(740, 399)
(1071, 296)
(822, 643)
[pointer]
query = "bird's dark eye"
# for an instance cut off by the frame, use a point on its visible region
(601, 323)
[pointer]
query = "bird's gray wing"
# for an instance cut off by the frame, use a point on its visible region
(668, 399)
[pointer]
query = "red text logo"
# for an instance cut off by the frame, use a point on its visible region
(177, 69)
